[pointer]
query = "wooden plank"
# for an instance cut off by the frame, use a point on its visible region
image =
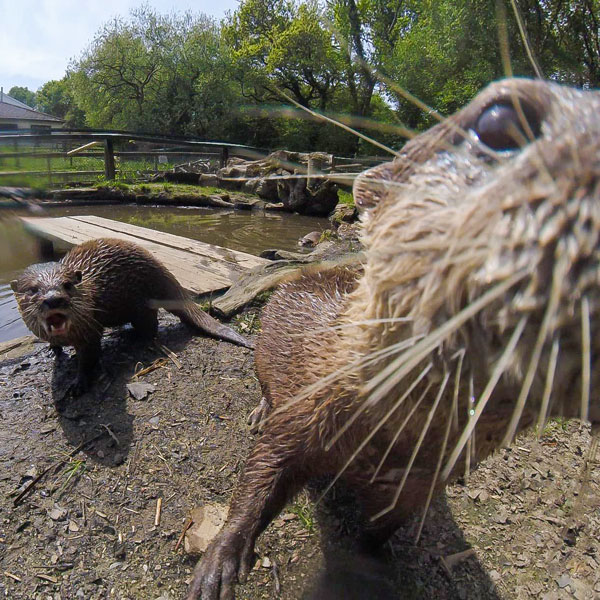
(198, 274)
(239, 261)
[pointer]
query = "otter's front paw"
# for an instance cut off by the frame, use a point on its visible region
(227, 561)
(257, 418)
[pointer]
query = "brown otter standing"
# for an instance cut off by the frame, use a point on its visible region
(105, 283)
(478, 304)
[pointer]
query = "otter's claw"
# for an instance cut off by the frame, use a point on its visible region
(223, 565)
(256, 419)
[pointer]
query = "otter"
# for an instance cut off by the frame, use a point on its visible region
(474, 315)
(105, 283)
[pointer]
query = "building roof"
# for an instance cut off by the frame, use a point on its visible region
(14, 109)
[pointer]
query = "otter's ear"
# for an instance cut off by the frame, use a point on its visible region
(13, 285)
(78, 276)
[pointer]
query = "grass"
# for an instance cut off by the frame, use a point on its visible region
(248, 322)
(346, 197)
(75, 468)
(304, 510)
(171, 189)
(128, 170)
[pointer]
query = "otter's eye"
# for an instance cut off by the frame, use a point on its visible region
(33, 290)
(68, 286)
(500, 128)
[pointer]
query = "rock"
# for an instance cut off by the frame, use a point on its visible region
(58, 513)
(284, 177)
(266, 189)
(266, 277)
(310, 239)
(207, 521)
(273, 254)
(564, 580)
(275, 206)
(208, 180)
(140, 390)
(343, 213)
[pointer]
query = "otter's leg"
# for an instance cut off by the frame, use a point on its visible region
(268, 481)
(377, 498)
(56, 350)
(87, 359)
(145, 322)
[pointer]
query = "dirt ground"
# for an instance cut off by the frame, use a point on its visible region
(528, 518)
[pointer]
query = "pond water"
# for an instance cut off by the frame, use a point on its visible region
(247, 231)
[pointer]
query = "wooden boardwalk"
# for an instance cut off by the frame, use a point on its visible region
(200, 268)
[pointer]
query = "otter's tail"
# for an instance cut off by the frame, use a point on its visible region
(196, 319)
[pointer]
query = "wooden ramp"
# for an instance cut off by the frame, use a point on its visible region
(200, 268)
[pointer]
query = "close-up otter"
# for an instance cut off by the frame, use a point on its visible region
(105, 283)
(474, 315)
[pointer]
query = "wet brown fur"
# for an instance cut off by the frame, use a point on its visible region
(448, 224)
(106, 283)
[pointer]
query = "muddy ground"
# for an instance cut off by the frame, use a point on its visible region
(530, 514)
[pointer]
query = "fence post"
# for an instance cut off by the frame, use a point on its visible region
(109, 159)
(17, 161)
(224, 156)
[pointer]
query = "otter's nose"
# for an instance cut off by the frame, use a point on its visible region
(53, 301)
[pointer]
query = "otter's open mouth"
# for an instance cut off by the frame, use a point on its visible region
(55, 323)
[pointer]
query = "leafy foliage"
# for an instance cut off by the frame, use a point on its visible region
(185, 74)
(22, 94)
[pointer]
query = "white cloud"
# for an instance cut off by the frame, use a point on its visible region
(38, 38)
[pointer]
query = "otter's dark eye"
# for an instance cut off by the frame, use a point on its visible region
(68, 286)
(33, 291)
(500, 128)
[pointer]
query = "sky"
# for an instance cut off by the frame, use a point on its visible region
(38, 38)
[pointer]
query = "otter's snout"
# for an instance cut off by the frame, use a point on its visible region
(53, 301)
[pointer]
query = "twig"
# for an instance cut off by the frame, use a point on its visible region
(450, 561)
(275, 578)
(58, 463)
(47, 578)
(18, 579)
(157, 364)
(112, 435)
(157, 514)
(187, 525)
(170, 354)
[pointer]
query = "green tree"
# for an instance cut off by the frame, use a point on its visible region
(22, 94)
(55, 98)
(278, 45)
(149, 73)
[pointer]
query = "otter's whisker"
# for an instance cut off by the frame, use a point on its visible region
(320, 117)
(391, 375)
(416, 449)
(400, 430)
(365, 405)
(485, 396)
(373, 431)
(558, 275)
(470, 444)
(454, 415)
(586, 358)
(461, 356)
(543, 415)
(525, 39)
(352, 366)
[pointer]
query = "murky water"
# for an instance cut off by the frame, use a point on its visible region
(246, 231)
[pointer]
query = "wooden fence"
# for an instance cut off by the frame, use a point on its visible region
(17, 150)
